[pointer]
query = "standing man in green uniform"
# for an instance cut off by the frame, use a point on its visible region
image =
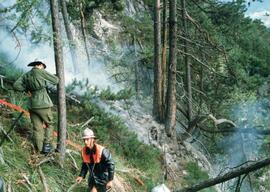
(35, 82)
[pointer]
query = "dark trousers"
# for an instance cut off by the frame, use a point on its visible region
(91, 184)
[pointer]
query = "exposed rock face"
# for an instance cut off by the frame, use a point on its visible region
(104, 28)
(150, 132)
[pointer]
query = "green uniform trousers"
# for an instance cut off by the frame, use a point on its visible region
(39, 118)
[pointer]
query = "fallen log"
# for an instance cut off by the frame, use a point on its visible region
(244, 169)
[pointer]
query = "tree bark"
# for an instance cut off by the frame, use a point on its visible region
(157, 98)
(136, 69)
(83, 28)
(244, 169)
(58, 53)
(71, 42)
(170, 120)
(201, 87)
(164, 59)
(187, 63)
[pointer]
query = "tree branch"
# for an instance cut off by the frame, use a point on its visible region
(43, 179)
(227, 176)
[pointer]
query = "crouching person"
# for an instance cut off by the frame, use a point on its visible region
(98, 161)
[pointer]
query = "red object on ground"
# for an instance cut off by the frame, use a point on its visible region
(17, 108)
(69, 142)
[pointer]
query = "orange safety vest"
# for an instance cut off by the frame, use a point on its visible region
(96, 156)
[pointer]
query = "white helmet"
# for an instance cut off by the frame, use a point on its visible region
(88, 133)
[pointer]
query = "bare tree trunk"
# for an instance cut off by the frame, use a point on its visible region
(58, 53)
(170, 120)
(83, 27)
(157, 98)
(137, 81)
(245, 169)
(201, 88)
(187, 63)
(71, 42)
(164, 59)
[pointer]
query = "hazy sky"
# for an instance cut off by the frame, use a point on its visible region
(258, 10)
(261, 11)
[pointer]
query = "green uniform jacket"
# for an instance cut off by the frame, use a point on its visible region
(35, 81)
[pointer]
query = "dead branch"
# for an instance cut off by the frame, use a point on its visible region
(73, 151)
(69, 97)
(199, 61)
(27, 180)
(190, 41)
(220, 121)
(227, 176)
(73, 98)
(123, 170)
(45, 160)
(73, 161)
(22, 17)
(2, 161)
(26, 186)
(195, 23)
(140, 43)
(9, 188)
(87, 122)
(199, 91)
(133, 172)
(14, 124)
(171, 173)
(2, 81)
(246, 130)
(73, 125)
(198, 119)
(139, 181)
(70, 189)
(233, 127)
(6, 134)
(18, 45)
(43, 179)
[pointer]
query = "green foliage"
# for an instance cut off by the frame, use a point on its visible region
(111, 132)
(196, 174)
(107, 94)
(91, 91)
(149, 3)
(8, 70)
(22, 14)
(89, 6)
(263, 180)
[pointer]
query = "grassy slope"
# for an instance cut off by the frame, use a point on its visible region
(142, 162)
(127, 151)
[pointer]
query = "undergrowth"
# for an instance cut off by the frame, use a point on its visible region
(195, 175)
(142, 161)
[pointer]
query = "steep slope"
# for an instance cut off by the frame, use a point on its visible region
(20, 166)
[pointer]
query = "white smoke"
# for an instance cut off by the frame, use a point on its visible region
(20, 51)
(242, 147)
